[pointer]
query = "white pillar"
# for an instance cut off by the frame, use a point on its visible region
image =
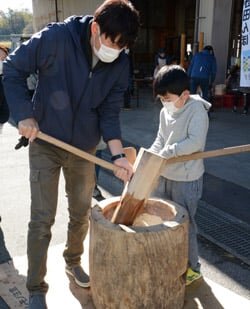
(215, 17)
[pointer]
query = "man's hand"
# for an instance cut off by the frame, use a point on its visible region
(28, 128)
(125, 171)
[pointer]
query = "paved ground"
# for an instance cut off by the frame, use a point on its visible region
(139, 128)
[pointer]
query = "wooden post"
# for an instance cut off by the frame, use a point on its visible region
(183, 49)
(201, 41)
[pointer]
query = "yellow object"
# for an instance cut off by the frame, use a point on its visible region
(192, 276)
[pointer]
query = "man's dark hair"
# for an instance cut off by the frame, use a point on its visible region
(171, 79)
(118, 18)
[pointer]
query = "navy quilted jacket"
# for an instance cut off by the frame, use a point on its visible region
(72, 102)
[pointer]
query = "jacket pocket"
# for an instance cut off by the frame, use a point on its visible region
(34, 175)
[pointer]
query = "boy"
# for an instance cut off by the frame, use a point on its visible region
(182, 130)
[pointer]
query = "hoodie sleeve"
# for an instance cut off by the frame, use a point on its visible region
(29, 58)
(196, 136)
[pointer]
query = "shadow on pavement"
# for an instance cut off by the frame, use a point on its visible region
(83, 295)
(200, 295)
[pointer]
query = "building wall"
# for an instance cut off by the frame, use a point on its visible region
(220, 35)
(45, 11)
(206, 19)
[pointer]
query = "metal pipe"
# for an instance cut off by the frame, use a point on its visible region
(196, 26)
(56, 8)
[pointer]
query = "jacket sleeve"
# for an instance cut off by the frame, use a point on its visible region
(29, 58)
(109, 110)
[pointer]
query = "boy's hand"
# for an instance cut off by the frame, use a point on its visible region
(125, 171)
(28, 128)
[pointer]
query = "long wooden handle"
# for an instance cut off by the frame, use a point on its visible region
(112, 167)
(211, 154)
(76, 151)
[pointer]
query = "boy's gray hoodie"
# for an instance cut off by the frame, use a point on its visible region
(184, 132)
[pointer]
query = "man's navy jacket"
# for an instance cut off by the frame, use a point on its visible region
(72, 101)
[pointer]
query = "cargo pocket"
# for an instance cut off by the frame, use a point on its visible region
(34, 175)
(35, 190)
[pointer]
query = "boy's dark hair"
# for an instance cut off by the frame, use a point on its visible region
(118, 18)
(171, 79)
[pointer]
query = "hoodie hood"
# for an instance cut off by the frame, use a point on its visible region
(197, 99)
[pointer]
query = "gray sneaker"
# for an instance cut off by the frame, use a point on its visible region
(37, 301)
(80, 277)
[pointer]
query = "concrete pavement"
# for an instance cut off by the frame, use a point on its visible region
(64, 293)
(226, 282)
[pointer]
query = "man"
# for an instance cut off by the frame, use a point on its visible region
(82, 75)
(202, 71)
(4, 110)
(4, 253)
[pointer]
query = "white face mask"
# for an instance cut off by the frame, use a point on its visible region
(105, 53)
(1, 67)
(170, 106)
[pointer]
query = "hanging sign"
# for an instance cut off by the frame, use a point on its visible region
(245, 45)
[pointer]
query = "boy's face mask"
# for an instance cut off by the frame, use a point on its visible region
(105, 53)
(170, 105)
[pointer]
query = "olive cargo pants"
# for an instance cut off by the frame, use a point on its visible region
(46, 162)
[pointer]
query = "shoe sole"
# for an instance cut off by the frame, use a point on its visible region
(81, 284)
(190, 282)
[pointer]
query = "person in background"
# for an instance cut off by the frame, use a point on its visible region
(233, 85)
(4, 116)
(4, 110)
(182, 130)
(82, 75)
(202, 71)
(239, 93)
(246, 99)
(161, 59)
(4, 253)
